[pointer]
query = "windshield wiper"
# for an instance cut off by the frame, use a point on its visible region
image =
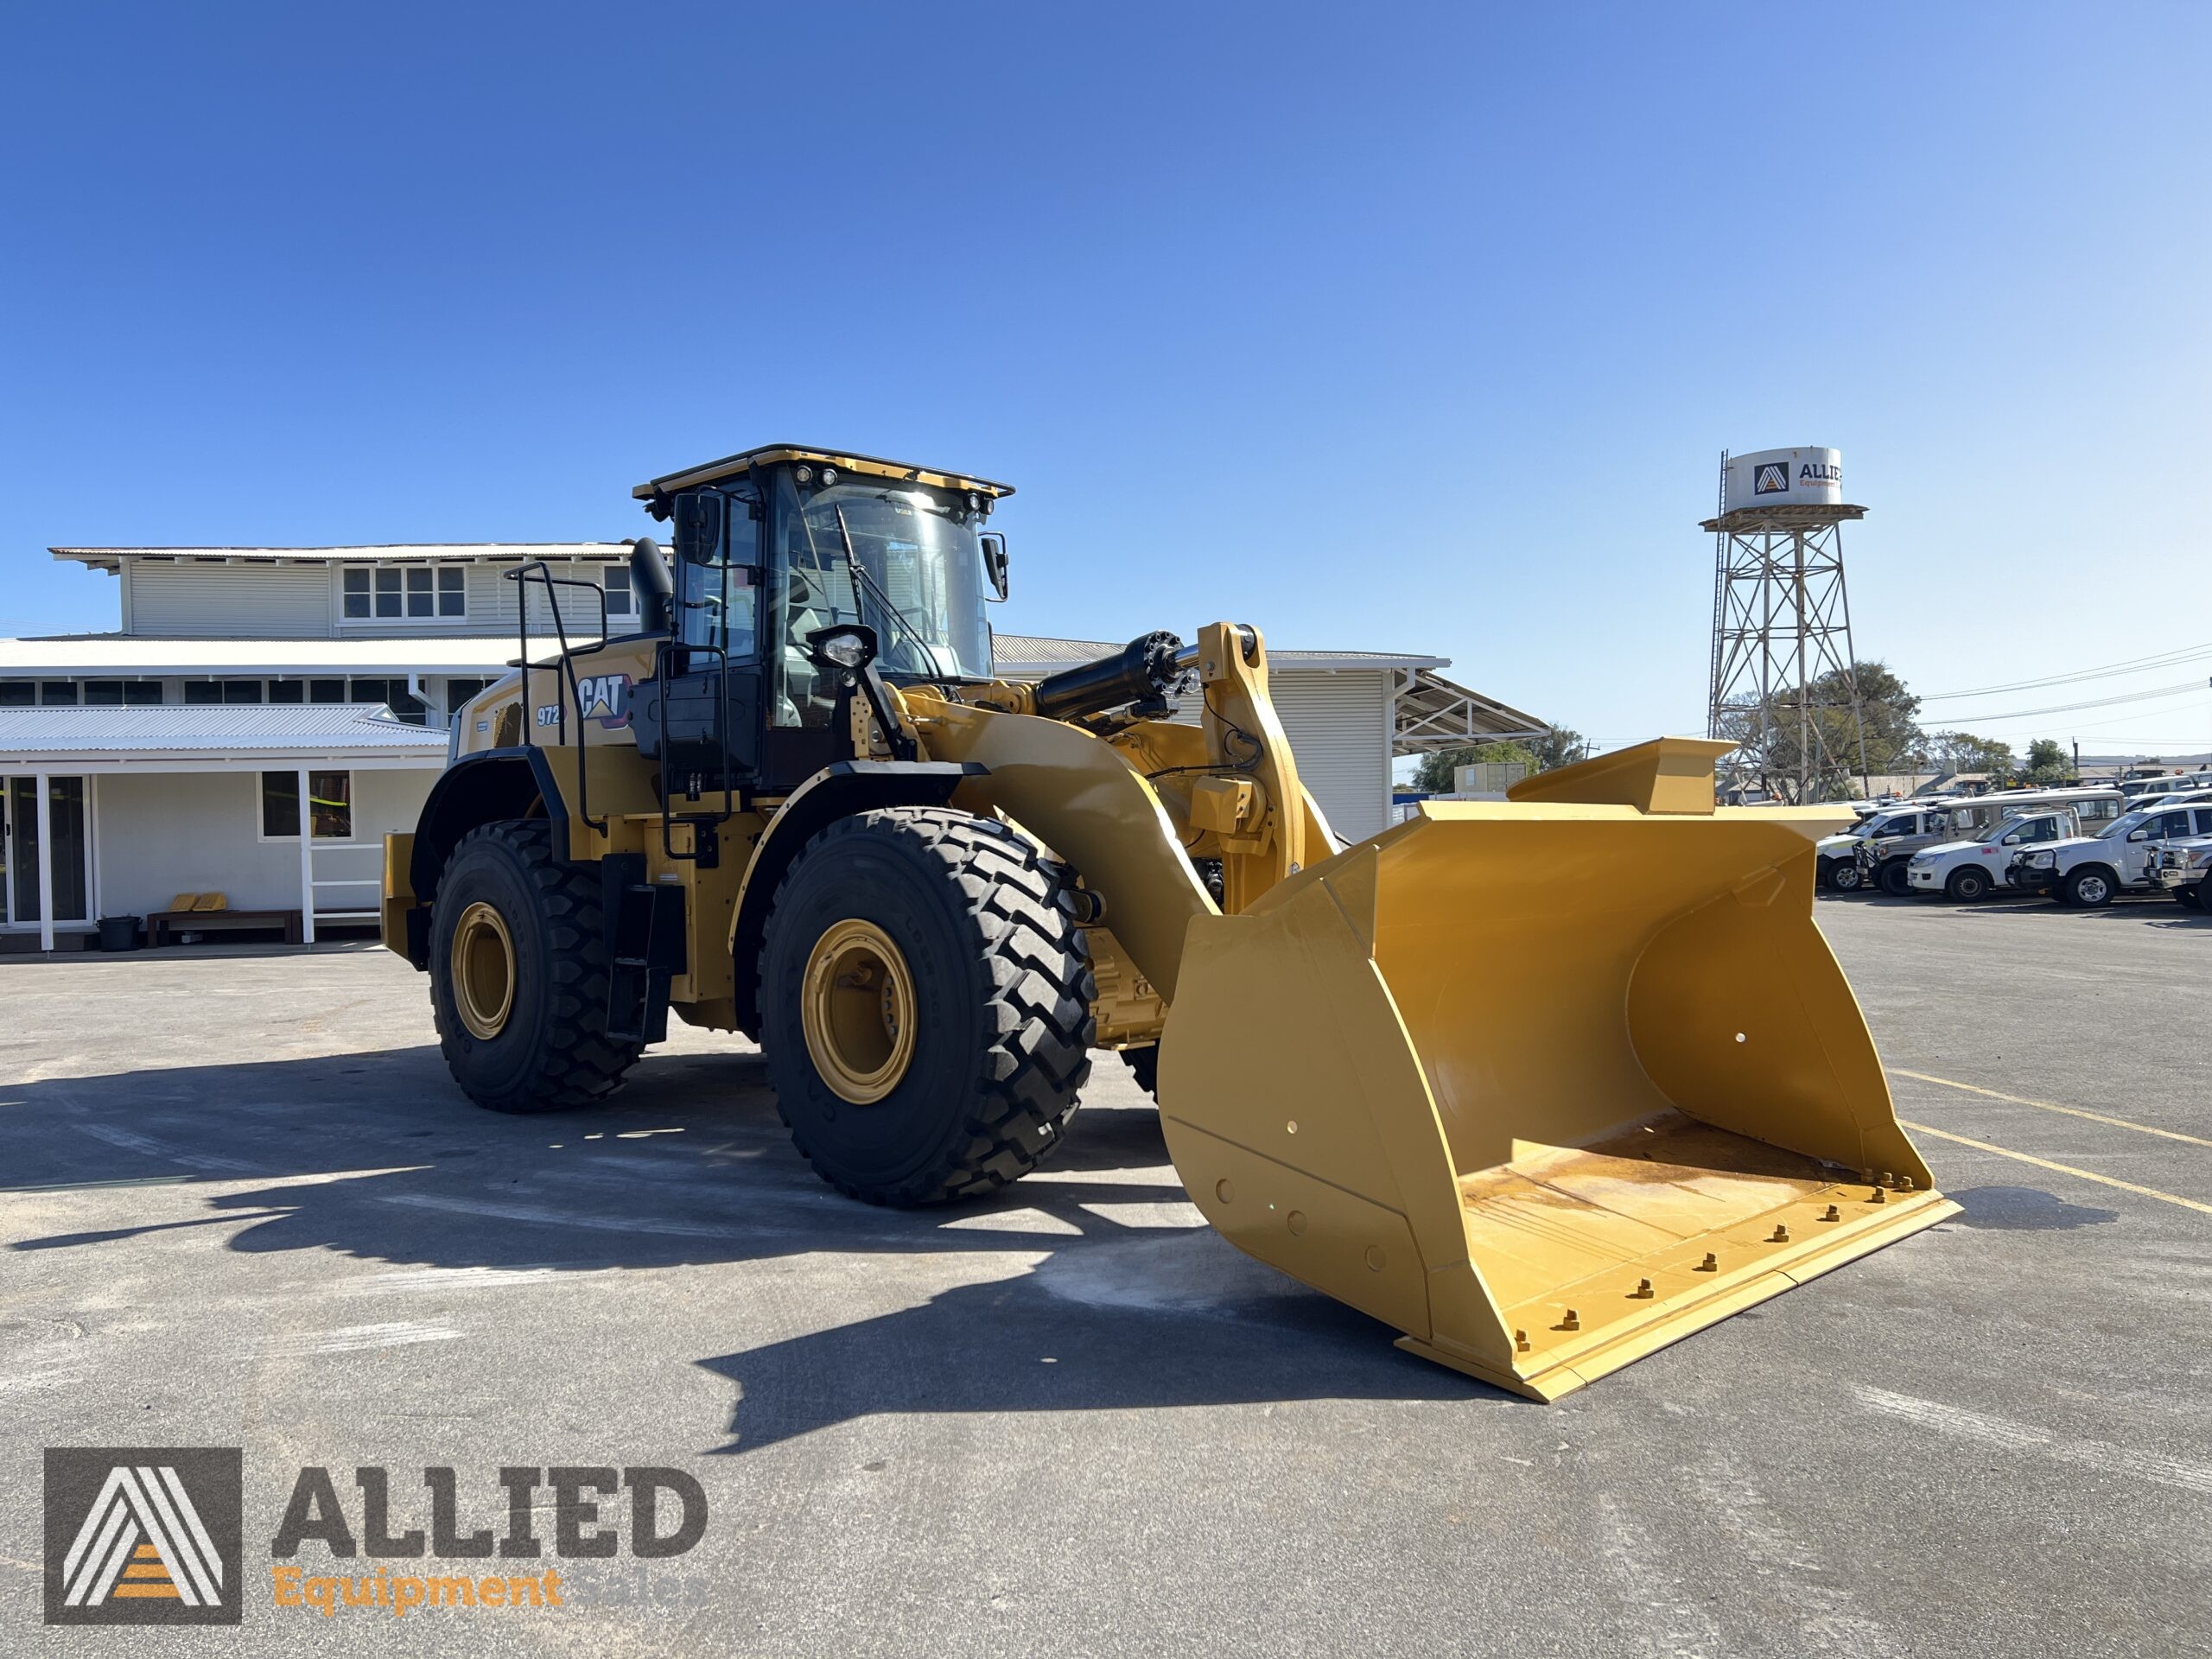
(860, 575)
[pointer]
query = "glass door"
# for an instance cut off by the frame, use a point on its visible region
(72, 876)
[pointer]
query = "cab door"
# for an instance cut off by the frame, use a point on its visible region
(701, 718)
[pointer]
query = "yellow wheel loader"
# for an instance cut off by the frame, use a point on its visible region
(1543, 1085)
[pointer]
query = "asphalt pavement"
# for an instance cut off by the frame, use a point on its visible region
(242, 1205)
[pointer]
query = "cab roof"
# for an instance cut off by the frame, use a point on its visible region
(714, 472)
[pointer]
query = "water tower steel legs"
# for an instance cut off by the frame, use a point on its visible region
(1781, 648)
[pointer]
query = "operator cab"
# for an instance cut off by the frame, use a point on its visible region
(776, 545)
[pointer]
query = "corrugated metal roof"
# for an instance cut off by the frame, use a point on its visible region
(224, 729)
(126, 654)
(1434, 713)
(111, 558)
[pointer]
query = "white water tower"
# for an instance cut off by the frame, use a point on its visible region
(1784, 682)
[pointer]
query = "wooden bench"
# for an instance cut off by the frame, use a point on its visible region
(161, 923)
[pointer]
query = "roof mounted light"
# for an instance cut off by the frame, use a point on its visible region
(803, 473)
(829, 476)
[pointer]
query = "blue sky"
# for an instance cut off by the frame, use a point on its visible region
(1412, 330)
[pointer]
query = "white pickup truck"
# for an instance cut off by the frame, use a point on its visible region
(1872, 852)
(1966, 870)
(2183, 868)
(2122, 857)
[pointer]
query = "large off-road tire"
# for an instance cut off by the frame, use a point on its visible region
(925, 994)
(518, 972)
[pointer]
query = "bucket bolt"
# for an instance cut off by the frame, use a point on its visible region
(1878, 1197)
(1904, 1183)
(1643, 1291)
(1711, 1264)
(1834, 1214)
(1779, 1236)
(1571, 1322)
(1520, 1342)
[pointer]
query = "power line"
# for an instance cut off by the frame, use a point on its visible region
(2163, 659)
(1999, 715)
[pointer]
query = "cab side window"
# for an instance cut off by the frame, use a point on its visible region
(2173, 824)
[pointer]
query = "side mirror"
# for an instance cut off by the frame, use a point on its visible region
(994, 565)
(2139, 834)
(698, 526)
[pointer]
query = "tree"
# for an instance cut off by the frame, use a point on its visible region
(1767, 735)
(1558, 747)
(2048, 764)
(1964, 752)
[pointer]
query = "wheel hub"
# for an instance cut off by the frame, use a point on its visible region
(483, 971)
(858, 1011)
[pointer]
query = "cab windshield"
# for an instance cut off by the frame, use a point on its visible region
(903, 560)
(2118, 828)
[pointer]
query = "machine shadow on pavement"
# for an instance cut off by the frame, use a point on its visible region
(1112, 1292)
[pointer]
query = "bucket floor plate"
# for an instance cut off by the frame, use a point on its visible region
(1597, 1254)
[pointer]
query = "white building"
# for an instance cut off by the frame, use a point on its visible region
(170, 756)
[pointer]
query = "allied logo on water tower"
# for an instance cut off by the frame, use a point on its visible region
(1772, 479)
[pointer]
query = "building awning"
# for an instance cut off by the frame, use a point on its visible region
(121, 655)
(173, 738)
(1434, 713)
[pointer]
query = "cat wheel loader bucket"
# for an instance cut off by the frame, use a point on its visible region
(1547, 1083)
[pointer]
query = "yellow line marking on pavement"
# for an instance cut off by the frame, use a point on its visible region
(2064, 1169)
(2071, 1111)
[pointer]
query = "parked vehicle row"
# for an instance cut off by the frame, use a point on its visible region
(2083, 847)
(1885, 857)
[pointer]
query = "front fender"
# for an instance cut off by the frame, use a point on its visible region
(837, 792)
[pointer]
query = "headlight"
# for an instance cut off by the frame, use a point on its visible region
(848, 647)
(2042, 860)
(2203, 855)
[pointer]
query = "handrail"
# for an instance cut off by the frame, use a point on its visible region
(540, 570)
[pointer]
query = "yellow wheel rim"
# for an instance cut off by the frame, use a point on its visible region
(858, 1012)
(483, 971)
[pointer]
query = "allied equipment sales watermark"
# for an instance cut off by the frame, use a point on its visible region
(138, 1535)
(143, 1535)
